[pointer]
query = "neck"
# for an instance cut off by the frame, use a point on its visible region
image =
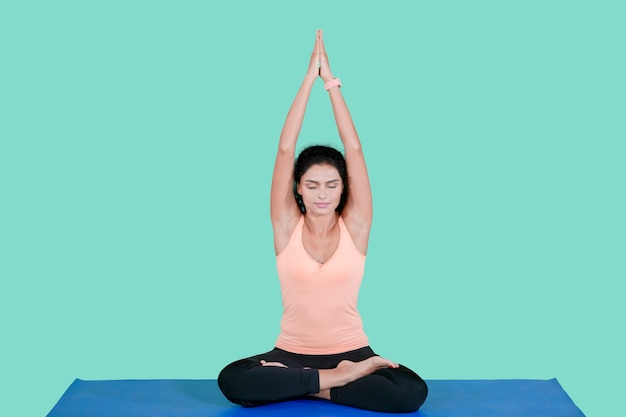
(321, 225)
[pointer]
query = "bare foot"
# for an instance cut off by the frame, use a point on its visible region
(325, 394)
(281, 365)
(348, 371)
(356, 370)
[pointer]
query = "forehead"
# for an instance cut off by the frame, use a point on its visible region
(321, 172)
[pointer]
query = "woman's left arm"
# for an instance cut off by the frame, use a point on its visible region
(357, 212)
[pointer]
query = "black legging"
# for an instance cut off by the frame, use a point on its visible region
(248, 383)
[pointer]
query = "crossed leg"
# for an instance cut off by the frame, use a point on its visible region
(358, 378)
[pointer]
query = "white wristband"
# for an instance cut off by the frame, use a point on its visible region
(332, 84)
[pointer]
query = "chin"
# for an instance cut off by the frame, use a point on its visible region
(316, 210)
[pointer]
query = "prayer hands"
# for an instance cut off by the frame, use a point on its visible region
(325, 72)
(318, 64)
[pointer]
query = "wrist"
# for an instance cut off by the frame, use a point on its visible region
(334, 83)
(328, 78)
(310, 78)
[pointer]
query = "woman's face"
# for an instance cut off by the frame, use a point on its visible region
(321, 188)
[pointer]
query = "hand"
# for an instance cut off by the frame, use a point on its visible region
(325, 72)
(314, 69)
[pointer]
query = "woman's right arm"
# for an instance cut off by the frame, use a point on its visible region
(284, 210)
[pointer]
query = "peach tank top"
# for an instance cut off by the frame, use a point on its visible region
(320, 315)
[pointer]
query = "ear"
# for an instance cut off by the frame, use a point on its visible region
(299, 189)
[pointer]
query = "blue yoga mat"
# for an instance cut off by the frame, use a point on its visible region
(202, 398)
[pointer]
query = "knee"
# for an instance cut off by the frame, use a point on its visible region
(224, 380)
(415, 393)
(230, 381)
(411, 392)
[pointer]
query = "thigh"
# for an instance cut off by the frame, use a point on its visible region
(297, 360)
(249, 383)
(291, 360)
(331, 361)
(387, 390)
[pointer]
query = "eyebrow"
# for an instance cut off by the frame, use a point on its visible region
(317, 182)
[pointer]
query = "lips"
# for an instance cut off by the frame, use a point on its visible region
(322, 205)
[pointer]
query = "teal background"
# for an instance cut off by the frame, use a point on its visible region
(137, 142)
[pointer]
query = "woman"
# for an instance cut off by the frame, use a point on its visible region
(321, 239)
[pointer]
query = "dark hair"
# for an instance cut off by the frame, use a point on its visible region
(317, 155)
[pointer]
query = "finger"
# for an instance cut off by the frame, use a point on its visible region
(317, 40)
(316, 47)
(315, 54)
(318, 50)
(319, 43)
(323, 54)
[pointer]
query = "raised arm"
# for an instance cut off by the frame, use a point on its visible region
(284, 210)
(357, 213)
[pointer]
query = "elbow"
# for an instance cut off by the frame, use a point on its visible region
(286, 149)
(353, 147)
